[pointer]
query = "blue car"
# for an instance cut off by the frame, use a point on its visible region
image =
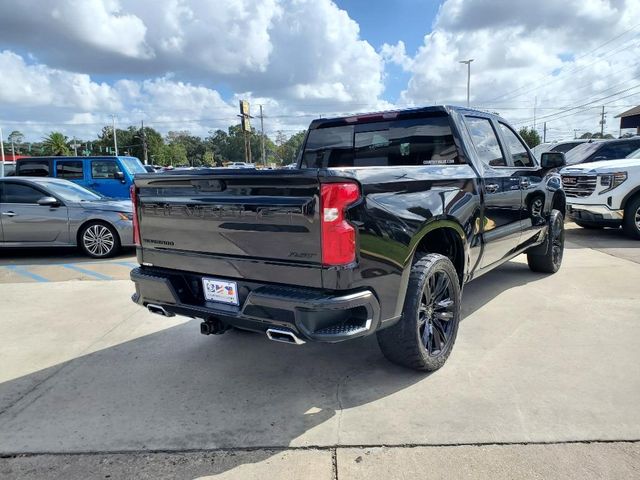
(109, 176)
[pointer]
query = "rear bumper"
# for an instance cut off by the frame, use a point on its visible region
(600, 214)
(312, 314)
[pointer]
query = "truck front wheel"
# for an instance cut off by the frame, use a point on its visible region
(631, 222)
(550, 259)
(424, 336)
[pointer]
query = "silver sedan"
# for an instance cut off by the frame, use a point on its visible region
(47, 212)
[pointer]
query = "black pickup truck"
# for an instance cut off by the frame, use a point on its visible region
(385, 219)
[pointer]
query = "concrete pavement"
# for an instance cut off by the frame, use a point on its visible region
(538, 359)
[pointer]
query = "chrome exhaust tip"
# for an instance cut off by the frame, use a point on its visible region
(284, 336)
(159, 310)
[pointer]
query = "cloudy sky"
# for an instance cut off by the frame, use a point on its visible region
(69, 65)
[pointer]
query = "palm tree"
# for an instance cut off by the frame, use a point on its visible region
(56, 144)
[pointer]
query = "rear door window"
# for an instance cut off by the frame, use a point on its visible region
(486, 141)
(69, 169)
(19, 193)
(104, 169)
(517, 149)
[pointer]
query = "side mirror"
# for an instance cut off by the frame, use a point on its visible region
(48, 202)
(119, 176)
(552, 160)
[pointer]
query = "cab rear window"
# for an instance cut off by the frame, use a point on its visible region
(410, 142)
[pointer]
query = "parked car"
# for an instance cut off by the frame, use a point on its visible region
(563, 146)
(602, 150)
(605, 194)
(388, 217)
(48, 212)
(108, 176)
(9, 169)
(240, 165)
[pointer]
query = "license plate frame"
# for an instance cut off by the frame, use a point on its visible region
(220, 291)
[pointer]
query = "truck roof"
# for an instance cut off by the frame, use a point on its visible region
(395, 114)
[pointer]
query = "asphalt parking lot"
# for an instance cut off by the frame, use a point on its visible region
(542, 382)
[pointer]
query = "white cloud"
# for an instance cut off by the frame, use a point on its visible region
(304, 55)
(525, 50)
(396, 54)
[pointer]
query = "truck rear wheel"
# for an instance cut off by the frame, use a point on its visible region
(424, 336)
(631, 222)
(551, 259)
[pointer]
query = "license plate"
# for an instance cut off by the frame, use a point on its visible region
(220, 291)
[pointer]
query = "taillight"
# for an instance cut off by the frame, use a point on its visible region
(338, 236)
(133, 192)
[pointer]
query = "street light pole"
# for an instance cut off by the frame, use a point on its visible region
(1, 155)
(115, 140)
(468, 62)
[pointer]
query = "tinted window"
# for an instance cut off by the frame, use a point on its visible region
(69, 169)
(565, 147)
(424, 141)
(613, 151)
(485, 140)
(329, 147)
(518, 150)
(18, 193)
(104, 169)
(34, 168)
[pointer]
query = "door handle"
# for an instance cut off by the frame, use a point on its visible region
(9, 214)
(491, 187)
(524, 183)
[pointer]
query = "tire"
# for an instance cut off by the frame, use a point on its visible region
(99, 240)
(588, 226)
(425, 334)
(551, 260)
(631, 222)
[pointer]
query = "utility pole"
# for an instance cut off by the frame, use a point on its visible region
(264, 160)
(468, 62)
(1, 155)
(13, 151)
(602, 122)
(544, 133)
(535, 107)
(75, 147)
(144, 144)
(115, 139)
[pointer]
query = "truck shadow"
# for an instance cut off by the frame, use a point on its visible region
(176, 390)
(598, 238)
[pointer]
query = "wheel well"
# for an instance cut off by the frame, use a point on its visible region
(559, 202)
(445, 241)
(629, 197)
(89, 222)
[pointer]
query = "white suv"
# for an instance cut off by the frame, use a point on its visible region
(605, 193)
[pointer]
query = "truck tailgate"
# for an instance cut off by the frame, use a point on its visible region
(221, 219)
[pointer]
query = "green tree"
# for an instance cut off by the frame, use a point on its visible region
(529, 135)
(287, 150)
(193, 146)
(15, 138)
(56, 144)
(229, 146)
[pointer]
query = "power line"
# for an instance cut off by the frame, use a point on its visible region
(508, 94)
(584, 104)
